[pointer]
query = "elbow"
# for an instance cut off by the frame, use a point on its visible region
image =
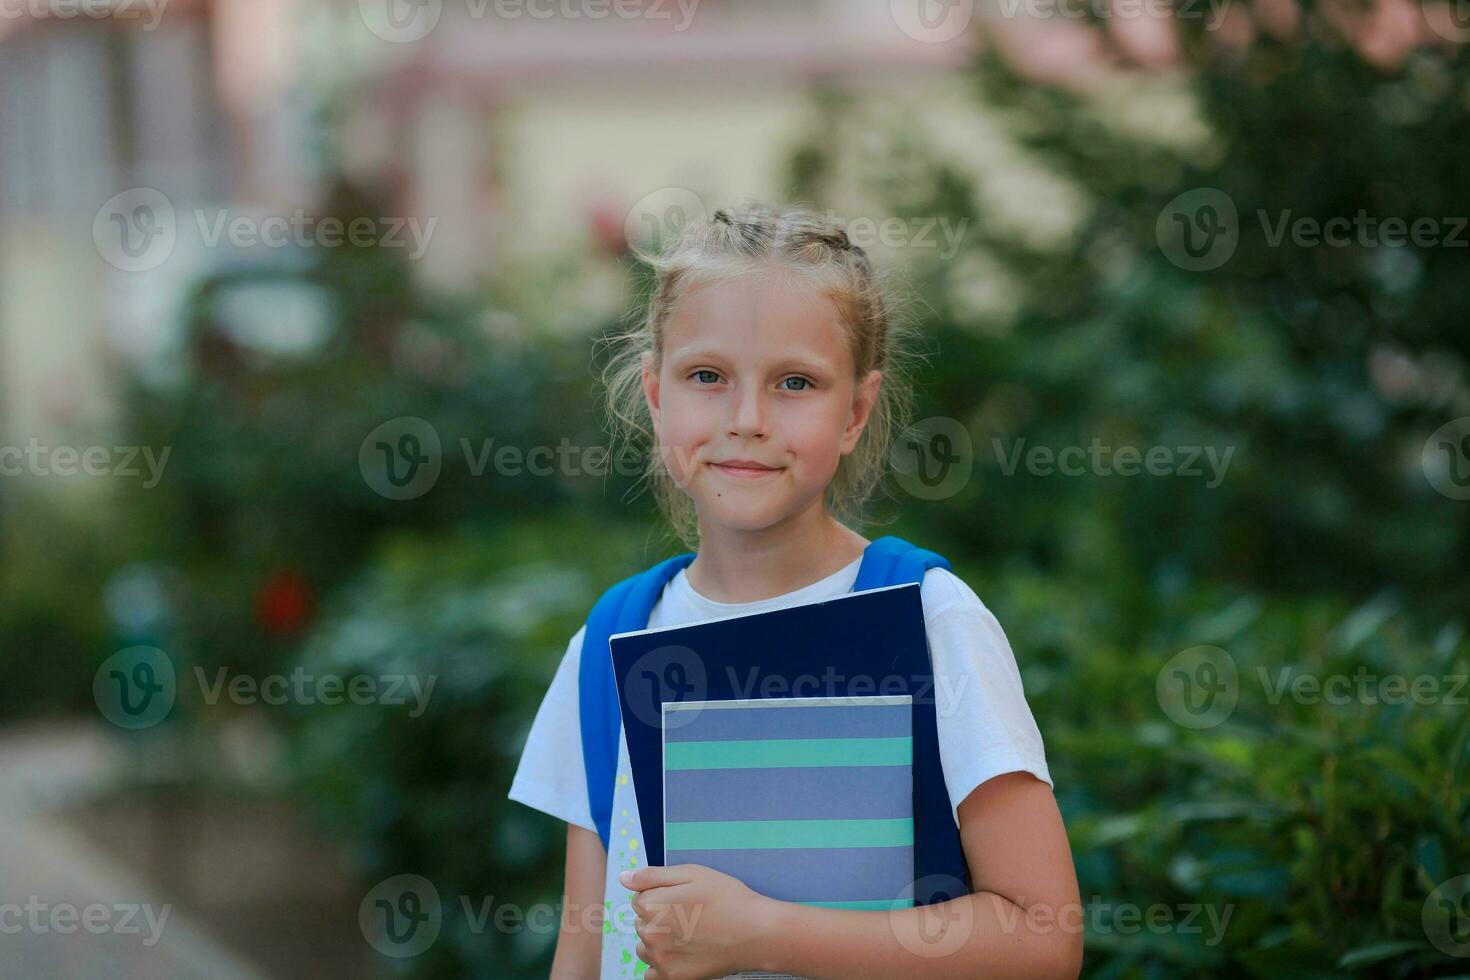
(1058, 958)
(1068, 960)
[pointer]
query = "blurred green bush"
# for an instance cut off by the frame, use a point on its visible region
(488, 616)
(53, 571)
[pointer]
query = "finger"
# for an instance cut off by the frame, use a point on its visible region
(652, 876)
(658, 904)
(651, 917)
(651, 900)
(661, 895)
(641, 951)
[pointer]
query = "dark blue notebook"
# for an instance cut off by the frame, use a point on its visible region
(856, 644)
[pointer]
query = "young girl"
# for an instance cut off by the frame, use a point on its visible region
(766, 377)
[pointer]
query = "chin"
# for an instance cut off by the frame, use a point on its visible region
(738, 518)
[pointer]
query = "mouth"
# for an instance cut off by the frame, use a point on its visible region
(745, 469)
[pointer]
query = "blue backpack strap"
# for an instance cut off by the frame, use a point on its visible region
(626, 606)
(893, 561)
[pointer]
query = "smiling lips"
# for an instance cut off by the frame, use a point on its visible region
(745, 469)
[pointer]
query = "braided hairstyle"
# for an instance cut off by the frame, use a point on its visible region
(751, 240)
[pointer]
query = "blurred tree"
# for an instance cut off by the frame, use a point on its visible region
(1302, 380)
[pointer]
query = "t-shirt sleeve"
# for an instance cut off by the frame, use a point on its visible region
(986, 728)
(551, 776)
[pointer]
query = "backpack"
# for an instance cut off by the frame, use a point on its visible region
(626, 607)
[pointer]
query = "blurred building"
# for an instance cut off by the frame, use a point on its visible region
(511, 130)
(88, 106)
(517, 128)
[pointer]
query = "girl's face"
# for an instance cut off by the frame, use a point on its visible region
(755, 402)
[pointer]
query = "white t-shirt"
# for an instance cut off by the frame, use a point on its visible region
(985, 726)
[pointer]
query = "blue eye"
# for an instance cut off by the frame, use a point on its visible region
(804, 381)
(696, 374)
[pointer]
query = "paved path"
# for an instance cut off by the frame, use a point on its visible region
(68, 910)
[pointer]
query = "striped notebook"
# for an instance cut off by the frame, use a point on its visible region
(803, 799)
(806, 800)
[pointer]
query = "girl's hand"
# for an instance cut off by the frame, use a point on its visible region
(696, 922)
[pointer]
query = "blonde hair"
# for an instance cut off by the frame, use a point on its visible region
(747, 241)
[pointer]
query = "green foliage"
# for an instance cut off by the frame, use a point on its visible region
(1318, 822)
(1322, 550)
(264, 482)
(1281, 354)
(50, 634)
(488, 617)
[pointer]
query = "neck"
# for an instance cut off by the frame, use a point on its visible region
(736, 565)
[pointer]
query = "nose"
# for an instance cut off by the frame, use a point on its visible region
(749, 418)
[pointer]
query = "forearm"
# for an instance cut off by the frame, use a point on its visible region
(977, 935)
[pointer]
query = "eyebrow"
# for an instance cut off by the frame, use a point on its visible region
(801, 360)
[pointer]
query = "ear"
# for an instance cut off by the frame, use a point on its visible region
(863, 400)
(650, 389)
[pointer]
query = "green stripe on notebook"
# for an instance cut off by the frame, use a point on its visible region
(703, 835)
(763, 753)
(879, 905)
